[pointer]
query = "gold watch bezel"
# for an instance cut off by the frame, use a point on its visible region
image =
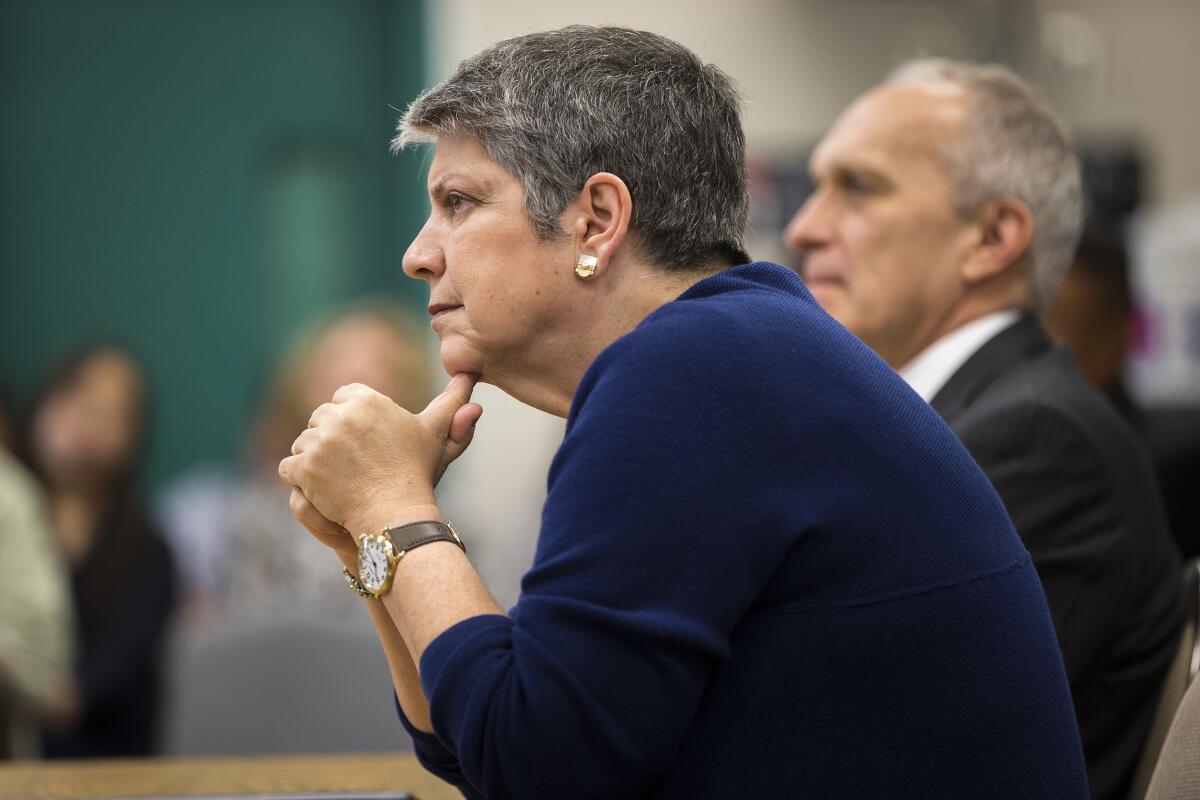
(393, 557)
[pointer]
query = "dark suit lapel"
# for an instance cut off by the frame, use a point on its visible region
(1019, 341)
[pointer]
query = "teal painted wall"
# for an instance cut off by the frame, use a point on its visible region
(196, 179)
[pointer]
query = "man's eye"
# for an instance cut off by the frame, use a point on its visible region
(855, 184)
(455, 202)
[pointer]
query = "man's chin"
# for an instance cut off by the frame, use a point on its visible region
(830, 295)
(836, 303)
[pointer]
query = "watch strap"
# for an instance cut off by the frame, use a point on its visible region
(409, 537)
(357, 585)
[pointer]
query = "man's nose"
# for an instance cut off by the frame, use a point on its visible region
(809, 228)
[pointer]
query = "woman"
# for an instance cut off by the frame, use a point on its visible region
(85, 438)
(765, 567)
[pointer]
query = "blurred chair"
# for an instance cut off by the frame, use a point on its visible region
(1170, 762)
(7, 712)
(269, 686)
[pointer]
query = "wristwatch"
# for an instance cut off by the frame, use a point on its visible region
(378, 553)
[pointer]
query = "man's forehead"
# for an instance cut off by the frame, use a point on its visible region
(891, 122)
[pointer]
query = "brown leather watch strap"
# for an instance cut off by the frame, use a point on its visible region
(415, 534)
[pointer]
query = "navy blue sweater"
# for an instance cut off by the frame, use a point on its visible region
(766, 568)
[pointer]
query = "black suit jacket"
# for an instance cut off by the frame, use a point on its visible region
(1082, 495)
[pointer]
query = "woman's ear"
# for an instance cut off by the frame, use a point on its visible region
(1005, 228)
(601, 217)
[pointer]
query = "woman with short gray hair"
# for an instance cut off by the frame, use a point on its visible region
(765, 567)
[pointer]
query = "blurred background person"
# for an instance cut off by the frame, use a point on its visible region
(86, 433)
(234, 539)
(948, 204)
(273, 566)
(234, 544)
(1094, 311)
(268, 617)
(36, 630)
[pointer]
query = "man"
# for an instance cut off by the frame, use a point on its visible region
(947, 207)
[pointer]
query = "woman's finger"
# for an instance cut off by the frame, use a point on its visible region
(287, 470)
(302, 441)
(351, 390)
(462, 425)
(441, 410)
(309, 517)
(322, 410)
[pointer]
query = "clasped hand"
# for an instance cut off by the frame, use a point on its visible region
(363, 460)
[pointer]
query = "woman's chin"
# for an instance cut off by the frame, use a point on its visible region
(458, 357)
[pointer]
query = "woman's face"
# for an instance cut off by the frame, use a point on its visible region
(498, 295)
(86, 431)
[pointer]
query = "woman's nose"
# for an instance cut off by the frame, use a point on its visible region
(424, 259)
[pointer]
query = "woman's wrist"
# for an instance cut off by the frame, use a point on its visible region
(376, 518)
(349, 559)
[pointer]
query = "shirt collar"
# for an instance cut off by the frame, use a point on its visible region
(928, 372)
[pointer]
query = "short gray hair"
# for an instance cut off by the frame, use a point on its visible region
(1013, 145)
(555, 108)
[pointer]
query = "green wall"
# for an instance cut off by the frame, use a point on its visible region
(196, 179)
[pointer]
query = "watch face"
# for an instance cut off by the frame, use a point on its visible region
(373, 563)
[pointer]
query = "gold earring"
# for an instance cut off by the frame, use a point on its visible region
(585, 267)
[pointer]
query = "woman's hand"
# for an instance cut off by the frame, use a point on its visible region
(364, 463)
(328, 533)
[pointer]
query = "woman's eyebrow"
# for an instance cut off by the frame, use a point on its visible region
(476, 185)
(437, 188)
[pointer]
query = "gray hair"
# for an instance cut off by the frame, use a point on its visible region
(1013, 145)
(555, 108)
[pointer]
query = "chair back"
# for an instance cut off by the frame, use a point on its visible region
(281, 686)
(1170, 763)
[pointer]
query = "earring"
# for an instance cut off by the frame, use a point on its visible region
(585, 267)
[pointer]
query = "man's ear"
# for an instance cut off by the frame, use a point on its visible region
(600, 217)
(1004, 228)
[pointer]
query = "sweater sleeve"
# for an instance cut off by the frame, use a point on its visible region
(434, 756)
(647, 558)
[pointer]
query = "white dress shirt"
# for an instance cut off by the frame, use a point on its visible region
(929, 371)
